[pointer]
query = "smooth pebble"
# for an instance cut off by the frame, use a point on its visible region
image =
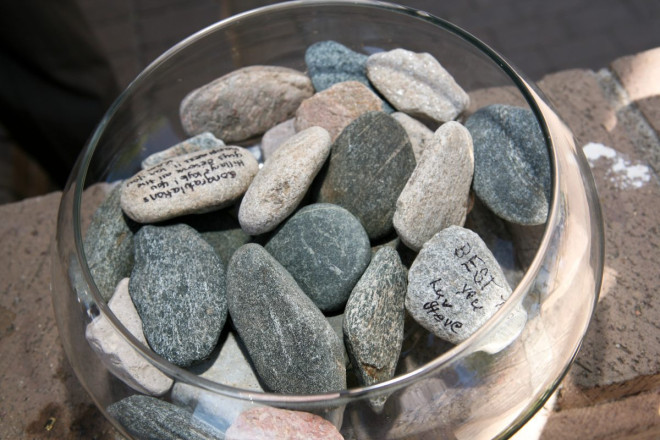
(419, 134)
(275, 136)
(200, 142)
(267, 423)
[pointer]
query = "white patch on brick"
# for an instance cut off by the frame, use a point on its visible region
(624, 173)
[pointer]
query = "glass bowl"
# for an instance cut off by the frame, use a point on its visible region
(477, 389)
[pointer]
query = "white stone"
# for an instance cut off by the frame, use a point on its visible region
(283, 181)
(202, 141)
(419, 134)
(193, 183)
(437, 193)
(274, 137)
(416, 84)
(117, 354)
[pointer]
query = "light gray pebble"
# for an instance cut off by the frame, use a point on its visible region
(419, 134)
(275, 136)
(200, 142)
(436, 195)
(283, 181)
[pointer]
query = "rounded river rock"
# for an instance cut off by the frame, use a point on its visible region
(325, 248)
(293, 347)
(178, 287)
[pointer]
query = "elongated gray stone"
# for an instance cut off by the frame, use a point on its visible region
(416, 84)
(436, 195)
(189, 184)
(325, 248)
(117, 354)
(291, 344)
(147, 417)
(455, 285)
(419, 134)
(512, 173)
(178, 288)
(200, 142)
(283, 181)
(373, 320)
(245, 102)
(109, 244)
(370, 163)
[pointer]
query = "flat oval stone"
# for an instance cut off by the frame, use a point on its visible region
(370, 163)
(436, 195)
(245, 102)
(200, 142)
(416, 84)
(147, 417)
(283, 181)
(292, 345)
(419, 134)
(266, 423)
(193, 183)
(276, 136)
(512, 173)
(335, 107)
(373, 320)
(178, 288)
(455, 285)
(326, 250)
(109, 244)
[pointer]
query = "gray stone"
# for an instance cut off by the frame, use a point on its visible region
(416, 84)
(455, 285)
(189, 184)
(512, 173)
(325, 248)
(283, 181)
(336, 107)
(275, 136)
(419, 134)
(178, 287)
(373, 320)
(109, 244)
(117, 354)
(200, 142)
(245, 102)
(436, 195)
(329, 63)
(292, 345)
(370, 163)
(147, 417)
(268, 423)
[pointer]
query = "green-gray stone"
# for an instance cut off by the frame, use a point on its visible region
(178, 287)
(370, 163)
(325, 248)
(293, 347)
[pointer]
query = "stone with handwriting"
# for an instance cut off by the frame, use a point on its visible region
(194, 183)
(455, 285)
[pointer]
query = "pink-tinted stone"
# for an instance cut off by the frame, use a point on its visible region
(265, 423)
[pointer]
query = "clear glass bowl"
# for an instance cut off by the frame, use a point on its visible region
(477, 389)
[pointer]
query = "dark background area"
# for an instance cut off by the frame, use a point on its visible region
(539, 37)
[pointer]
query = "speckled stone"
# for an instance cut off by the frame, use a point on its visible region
(436, 195)
(189, 184)
(292, 345)
(455, 285)
(325, 248)
(329, 63)
(416, 84)
(178, 287)
(373, 320)
(275, 136)
(336, 107)
(245, 102)
(108, 244)
(370, 163)
(280, 424)
(147, 417)
(283, 181)
(419, 134)
(117, 354)
(200, 142)
(512, 174)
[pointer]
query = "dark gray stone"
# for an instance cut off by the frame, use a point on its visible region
(146, 417)
(512, 173)
(293, 347)
(109, 244)
(178, 287)
(370, 163)
(373, 320)
(325, 248)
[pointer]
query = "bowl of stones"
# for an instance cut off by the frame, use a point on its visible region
(326, 220)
